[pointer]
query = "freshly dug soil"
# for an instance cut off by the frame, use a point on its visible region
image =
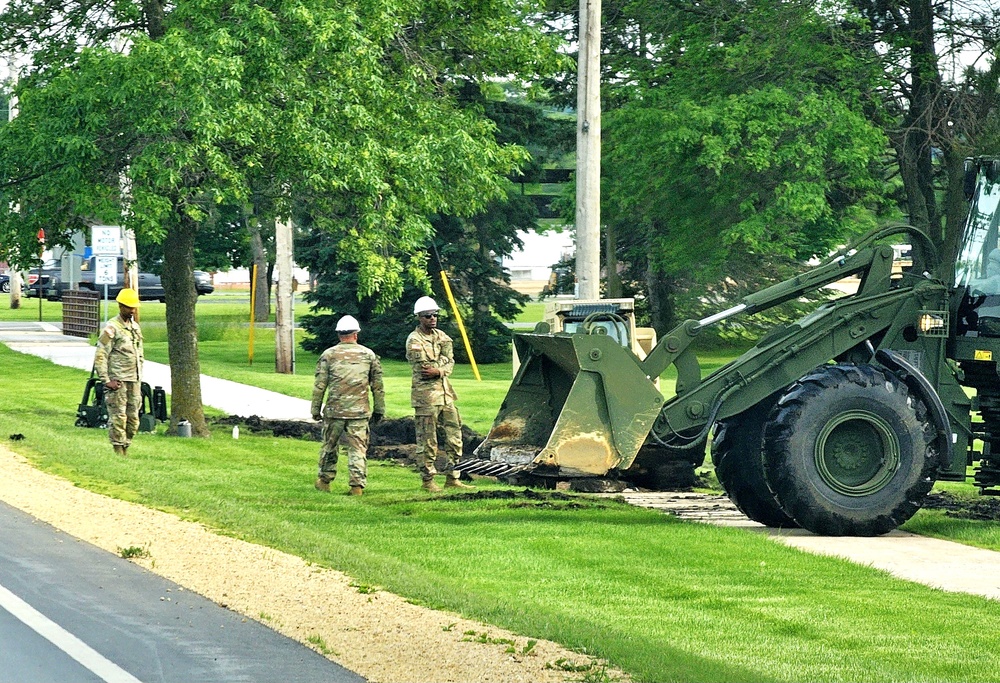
(983, 508)
(395, 439)
(389, 438)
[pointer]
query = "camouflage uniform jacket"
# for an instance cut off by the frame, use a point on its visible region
(119, 351)
(348, 370)
(434, 350)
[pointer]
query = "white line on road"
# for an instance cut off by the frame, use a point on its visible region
(64, 640)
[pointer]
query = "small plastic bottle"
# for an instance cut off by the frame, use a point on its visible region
(236, 431)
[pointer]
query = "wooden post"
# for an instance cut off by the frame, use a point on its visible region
(588, 153)
(284, 334)
(130, 258)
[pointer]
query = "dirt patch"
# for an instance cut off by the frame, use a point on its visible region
(537, 499)
(389, 439)
(654, 469)
(983, 508)
(294, 429)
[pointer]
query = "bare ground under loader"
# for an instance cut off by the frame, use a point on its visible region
(839, 423)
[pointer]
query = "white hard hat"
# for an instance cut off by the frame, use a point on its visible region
(348, 324)
(424, 303)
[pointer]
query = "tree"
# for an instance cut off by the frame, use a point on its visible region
(937, 118)
(348, 110)
(468, 249)
(745, 134)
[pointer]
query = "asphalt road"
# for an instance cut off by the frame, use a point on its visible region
(70, 612)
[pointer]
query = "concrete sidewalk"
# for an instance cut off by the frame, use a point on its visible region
(46, 340)
(930, 561)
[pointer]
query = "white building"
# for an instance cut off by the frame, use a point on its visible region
(531, 266)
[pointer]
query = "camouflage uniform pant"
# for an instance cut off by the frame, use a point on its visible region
(123, 412)
(348, 437)
(426, 422)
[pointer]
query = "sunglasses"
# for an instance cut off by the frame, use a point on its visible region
(428, 315)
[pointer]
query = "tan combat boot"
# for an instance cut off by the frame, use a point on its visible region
(355, 491)
(322, 485)
(451, 483)
(430, 486)
(120, 450)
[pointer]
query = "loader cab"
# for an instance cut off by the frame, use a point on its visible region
(977, 267)
(614, 318)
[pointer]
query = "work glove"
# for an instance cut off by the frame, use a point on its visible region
(376, 418)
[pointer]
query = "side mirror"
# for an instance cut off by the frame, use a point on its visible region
(992, 169)
(969, 181)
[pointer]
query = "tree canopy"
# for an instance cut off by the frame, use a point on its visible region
(345, 109)
(468, 249)
(737, 130)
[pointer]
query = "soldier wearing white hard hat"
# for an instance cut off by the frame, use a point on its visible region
(348, 324)
(431, 355)
(345, 374)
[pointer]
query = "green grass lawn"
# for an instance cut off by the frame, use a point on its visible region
(662, 599)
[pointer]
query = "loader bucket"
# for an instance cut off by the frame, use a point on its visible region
(580, 405)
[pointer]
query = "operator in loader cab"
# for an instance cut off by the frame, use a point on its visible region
(118, 362)
(431, 355)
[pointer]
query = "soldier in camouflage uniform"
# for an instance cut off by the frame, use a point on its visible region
(118, 363)
(345, 373)
(431, 357)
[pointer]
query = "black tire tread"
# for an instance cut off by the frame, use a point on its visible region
(804, 500)
(737, 453)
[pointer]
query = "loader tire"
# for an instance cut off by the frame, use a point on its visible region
(848, 451)
(737, 453)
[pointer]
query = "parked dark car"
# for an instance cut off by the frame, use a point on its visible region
(5, 283)
(47, 282)
(203, 282)
(150, 288)
(150, 285)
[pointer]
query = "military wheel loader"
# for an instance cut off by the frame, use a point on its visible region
(839, 423)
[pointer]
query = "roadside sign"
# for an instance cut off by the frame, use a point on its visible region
(106, 239)
(106, 270)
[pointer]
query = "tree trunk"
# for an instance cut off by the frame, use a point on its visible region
(261, 286)
(153, 11)
(661, 301)
(182, 329)
(284, 333)
(613, 281)
(955, 210)
(922, 130)
(479, 327)
(15, 289)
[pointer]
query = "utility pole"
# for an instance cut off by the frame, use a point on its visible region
(10, 104)
(130, 261)
(284, 332)
(588, 153)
